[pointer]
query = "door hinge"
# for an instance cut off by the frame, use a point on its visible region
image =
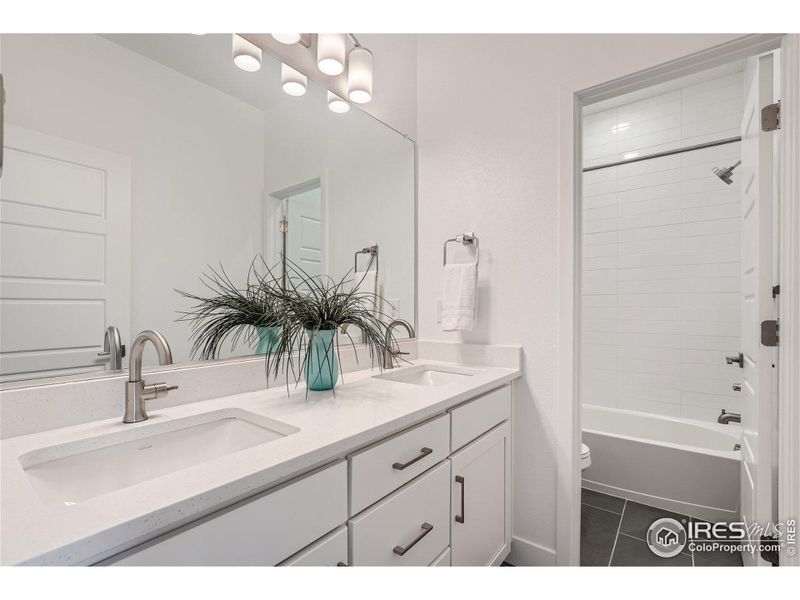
(769, 333)
(776, 290)
(770, 549)
(771, 117)
(283, 226)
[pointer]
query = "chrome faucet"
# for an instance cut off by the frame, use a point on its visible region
(136, 392)
(726, 417)
(388, 353)
(113, 348)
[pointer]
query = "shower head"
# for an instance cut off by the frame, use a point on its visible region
(726, 174)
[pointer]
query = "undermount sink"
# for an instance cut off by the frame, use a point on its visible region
(427, 375)
(73, 472)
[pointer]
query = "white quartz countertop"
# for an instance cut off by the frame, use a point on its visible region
(363, 410)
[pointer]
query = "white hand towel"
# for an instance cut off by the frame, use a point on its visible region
(459, 296)
(365, 282)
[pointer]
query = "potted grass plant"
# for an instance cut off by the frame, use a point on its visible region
(232, 313)
(317, 312)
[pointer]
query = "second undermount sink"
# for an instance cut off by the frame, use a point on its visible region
(427, 375)
(74, 472)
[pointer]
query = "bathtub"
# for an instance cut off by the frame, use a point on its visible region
(685, 466)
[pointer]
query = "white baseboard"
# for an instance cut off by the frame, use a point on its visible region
(525, 553)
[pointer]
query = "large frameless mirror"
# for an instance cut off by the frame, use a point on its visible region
(136, 163)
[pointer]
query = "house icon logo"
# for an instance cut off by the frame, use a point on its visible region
(666, 537)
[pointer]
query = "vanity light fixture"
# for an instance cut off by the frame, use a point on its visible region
(359, 74)
(286, 38)
(293, 81)
(246, 55)
(337, 104)
(331, 50)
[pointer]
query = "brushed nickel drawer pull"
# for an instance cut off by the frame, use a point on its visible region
(426, 529)
(423, 453)
(460, 479)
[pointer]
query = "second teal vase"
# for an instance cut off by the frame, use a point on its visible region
(268, 339)
(322, 364)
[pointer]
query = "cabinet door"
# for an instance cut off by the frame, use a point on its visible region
(261, 531)
(330, 551)
(481, 500)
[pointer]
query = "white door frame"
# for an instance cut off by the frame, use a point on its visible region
(571, 103)
(273, 200)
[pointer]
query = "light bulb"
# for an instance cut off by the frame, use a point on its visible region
(331, 49)
(286, 38)
(337, 104)
(293, 81)
(359, 75)
(246, 55)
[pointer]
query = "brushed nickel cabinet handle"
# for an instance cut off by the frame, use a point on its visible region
(460, 518)
(426, 529)
(423, 453)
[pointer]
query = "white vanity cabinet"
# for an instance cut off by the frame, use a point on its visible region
(481, 480)
(258, 532)
(481, 500)
(437, 493)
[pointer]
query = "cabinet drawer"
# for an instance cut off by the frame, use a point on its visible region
(476, 417)
(380, 469)
(330, 551)
(409, 528)
(262, 531)
(443, 560)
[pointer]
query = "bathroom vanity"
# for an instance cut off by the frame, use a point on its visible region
(408, 467)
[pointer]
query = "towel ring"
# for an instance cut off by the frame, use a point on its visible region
(464, 239)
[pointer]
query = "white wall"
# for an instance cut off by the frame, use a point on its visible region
(488, 161)
(197, 159)
(661, 255)
(394, 99)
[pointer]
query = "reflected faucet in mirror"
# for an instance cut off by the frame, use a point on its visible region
(136, 392)
(113, 348)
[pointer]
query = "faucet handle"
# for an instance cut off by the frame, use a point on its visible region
(159, 390)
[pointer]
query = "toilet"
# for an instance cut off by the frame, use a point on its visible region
(586, 457)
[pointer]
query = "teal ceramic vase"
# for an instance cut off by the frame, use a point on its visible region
(268, 339)
(322, 363)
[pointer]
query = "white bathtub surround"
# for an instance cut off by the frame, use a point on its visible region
(688, 467)
(459, 296)
(322, 428)
(661, 254)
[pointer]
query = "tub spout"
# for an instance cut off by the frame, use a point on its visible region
(726, 417)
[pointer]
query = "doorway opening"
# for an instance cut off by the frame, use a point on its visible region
(676, 270)
(296, 228)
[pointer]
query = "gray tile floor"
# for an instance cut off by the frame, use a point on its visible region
(613, 532)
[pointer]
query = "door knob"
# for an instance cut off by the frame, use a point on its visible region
(736, 359)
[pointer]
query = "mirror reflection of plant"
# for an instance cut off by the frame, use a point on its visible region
(231, 313)
(314, 304)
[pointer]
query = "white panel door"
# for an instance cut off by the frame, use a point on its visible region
(480, 530)
(758, 462)
(64, 254)
(304, 244)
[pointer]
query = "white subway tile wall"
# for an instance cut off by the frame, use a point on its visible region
(661, 253)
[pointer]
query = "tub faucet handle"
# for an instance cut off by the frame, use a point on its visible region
(736, 359)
